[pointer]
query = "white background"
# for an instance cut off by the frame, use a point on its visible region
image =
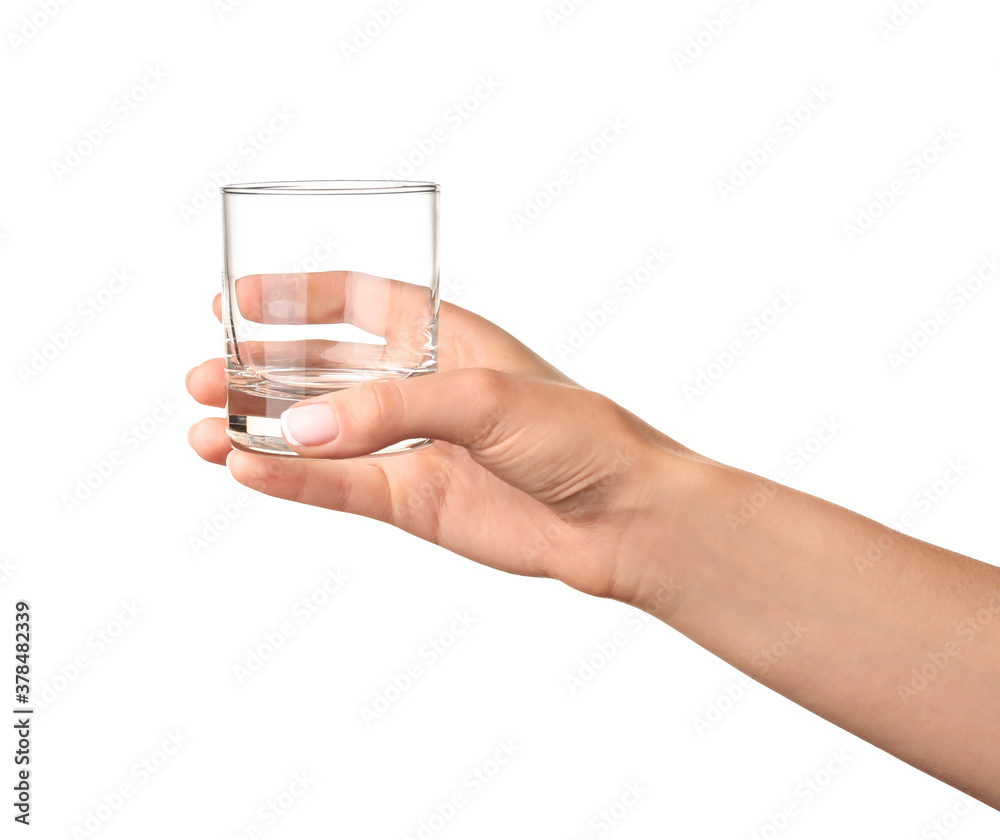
(132, 205)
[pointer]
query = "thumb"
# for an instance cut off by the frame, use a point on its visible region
(548, 439)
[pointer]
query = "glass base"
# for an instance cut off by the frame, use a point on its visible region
(254, 419)
(263, 436)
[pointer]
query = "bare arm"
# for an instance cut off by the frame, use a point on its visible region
(889, 637)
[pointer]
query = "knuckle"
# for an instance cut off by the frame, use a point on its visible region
(625, 440)
(617, 419)
(336, 493)
(297, 483)
(383, 402)
(486, 386)
(491, 392)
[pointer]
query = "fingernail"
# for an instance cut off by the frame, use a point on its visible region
(309, 425)
(188, 377)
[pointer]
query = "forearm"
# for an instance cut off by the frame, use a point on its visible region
(891, 638)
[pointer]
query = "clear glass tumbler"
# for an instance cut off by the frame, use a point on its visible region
(327, 284)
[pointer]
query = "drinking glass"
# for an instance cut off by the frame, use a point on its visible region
(326, 285)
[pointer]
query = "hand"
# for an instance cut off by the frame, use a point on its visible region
(535, 475)
(529, 473)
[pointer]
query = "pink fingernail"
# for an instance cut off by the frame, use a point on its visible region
(309, 425)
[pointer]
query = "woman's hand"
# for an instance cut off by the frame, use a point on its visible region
(530, 473)
(535, 475)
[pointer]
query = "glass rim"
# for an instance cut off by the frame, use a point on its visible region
(332, 187)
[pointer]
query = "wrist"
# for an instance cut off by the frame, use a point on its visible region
(673, 527)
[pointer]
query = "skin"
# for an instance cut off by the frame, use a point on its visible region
(534, 475)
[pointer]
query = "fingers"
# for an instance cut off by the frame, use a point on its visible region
(357, 421)
(208, 438)
(395, 316)
(207, 383)
(464, 338)
(329, 297)
(300, 298)
(358, 487)
(329, 356)
(467, 340)
(370, 322)
(537, 435)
